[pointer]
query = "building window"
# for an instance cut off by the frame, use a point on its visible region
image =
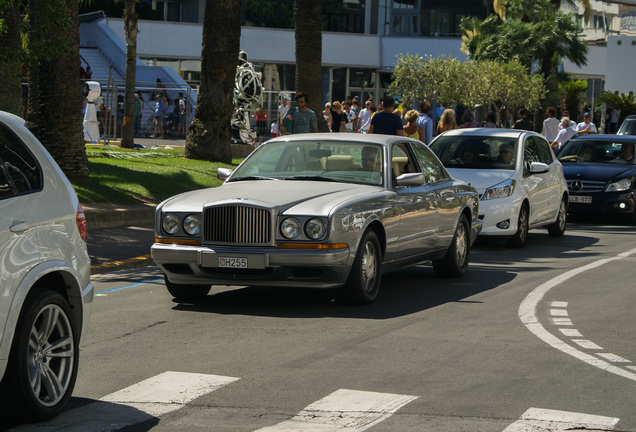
(405, 17)
(337, 15)
(169, 10)
(440, 23)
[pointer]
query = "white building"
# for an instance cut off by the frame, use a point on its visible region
(359, 52)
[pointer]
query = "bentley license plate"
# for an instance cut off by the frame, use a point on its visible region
(231, 262)
(581, 199)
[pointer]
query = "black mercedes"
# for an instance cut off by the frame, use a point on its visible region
(600, 173)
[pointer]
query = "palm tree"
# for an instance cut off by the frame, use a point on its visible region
(308, 37)
(528, 31)
(625, 103)
(10, 60)
(54, 110)
(209, 135)
(130, 27)
(572, 91)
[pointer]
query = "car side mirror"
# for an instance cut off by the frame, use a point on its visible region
(411, 179)
(223, 173)
(538, 168)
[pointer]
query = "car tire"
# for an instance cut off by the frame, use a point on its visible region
(363, 284)
(520, 238)
(557, 229)
(182, 292)
(43, 361)
(455, 262)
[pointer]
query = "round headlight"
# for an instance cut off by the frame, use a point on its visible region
(170, 223)
(315, 228)
(290, 228)
(192, 225)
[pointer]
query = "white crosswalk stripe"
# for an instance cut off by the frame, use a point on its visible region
(344, 411)
(143, 401)
(545, 420)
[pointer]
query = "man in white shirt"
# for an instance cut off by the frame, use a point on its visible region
(550, 125)
(586, 125)
(365, 117)
(564, 135)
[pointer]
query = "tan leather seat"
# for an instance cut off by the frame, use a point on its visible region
(339, 163)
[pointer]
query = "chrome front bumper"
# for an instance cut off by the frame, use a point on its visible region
(196, 265)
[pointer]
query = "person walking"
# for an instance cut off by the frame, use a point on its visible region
(160, 113)
(586, 125)
(550, 125)
(446, 121)
(523, 122)
(365, 117)
(385, 122)
(338, 117)
(303, 119)
(412, 130)
(352, 118)
(425, 122)
(564, 134)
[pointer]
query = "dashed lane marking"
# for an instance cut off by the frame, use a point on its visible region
(528, 315)
(344, 411)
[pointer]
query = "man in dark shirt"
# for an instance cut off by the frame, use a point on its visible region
(523, 122)
(385, 122)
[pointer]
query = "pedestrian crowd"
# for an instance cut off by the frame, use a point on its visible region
(391, 118)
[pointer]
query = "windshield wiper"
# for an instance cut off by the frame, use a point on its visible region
(316, 178)
(252, 178)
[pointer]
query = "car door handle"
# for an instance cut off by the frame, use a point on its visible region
(20, 227)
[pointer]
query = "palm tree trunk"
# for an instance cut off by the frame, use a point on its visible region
(209, 135)
(55, 106)
(308, 35)
(10, 87)
(130, 26)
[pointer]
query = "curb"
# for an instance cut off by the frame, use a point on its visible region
(113, 216)
(140, 261)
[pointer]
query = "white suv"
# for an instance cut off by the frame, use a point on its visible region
(45, 290)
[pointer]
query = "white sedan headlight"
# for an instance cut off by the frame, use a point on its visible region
(192, 224)
(290, 228)
(315, 228)
(501, 190)
(170, 223)
(621, 185)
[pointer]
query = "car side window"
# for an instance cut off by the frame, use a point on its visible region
(19, 171)
(531, 151)
(431, 167)
(544, 151)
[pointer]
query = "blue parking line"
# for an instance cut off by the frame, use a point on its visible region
(129, 286)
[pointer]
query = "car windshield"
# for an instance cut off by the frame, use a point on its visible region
(628, 127)
(599, 151)
(341, 161)
(476, 152)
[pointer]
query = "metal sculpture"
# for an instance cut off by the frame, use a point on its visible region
(248, 96)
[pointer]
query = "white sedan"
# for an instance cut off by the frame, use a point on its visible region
(519, 180)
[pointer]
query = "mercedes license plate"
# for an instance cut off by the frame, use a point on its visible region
(232, 262)
(581, 199)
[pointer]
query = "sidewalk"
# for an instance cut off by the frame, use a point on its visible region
(119, 236)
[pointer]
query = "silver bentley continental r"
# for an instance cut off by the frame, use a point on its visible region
(318, 211)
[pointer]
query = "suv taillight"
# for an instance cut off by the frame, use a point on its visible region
(80, 219)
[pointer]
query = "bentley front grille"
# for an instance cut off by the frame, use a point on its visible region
(237, 225)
